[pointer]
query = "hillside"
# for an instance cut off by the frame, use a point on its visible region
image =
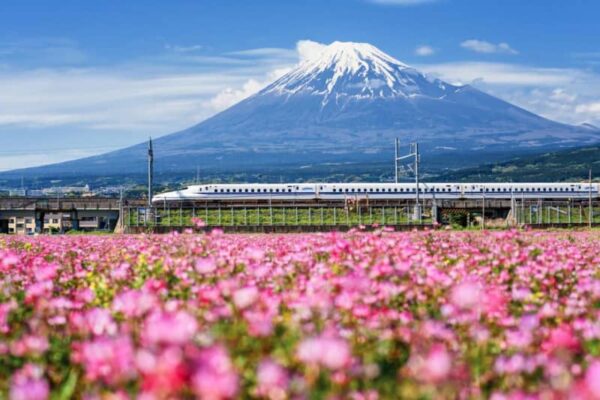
(566, 165)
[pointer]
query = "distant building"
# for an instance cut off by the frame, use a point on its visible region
(35, 193)
(22, 224)
(17, 192)
(56, 222)
(64, 190)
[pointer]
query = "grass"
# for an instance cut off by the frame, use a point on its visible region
(306, 216)
(284, 216)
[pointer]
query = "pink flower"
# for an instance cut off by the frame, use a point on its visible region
(245, 297)
(466, 295)
(121, 271)
(5, 309)
(28, 384)
(134, 303)
(30, 344)
(176, 327)
(205, 265)
(437, 364)
(163, 373)
(198, 223)
(107, 358)
(332, 353)
(563, 338)
(38, 290)
(272, 380)
(592, 378)
(46, 272)
(100, 322)
(214, 377)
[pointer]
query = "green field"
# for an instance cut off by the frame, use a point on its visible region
(306, 216)
(228, 216)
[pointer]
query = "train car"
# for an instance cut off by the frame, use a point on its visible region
(341, 191)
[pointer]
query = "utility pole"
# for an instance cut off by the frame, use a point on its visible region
(150, 172)
(591, 210)
(396, 162)
(417, 159)
(414, 168)
(483, 210)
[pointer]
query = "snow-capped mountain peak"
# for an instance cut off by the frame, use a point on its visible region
(347, 70)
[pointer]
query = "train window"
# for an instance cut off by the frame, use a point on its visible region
(395, 189)
(290, 190)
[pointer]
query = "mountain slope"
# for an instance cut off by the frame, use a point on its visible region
(565, 165)
(345, 105)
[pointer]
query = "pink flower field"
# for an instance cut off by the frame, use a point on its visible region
(419, 315)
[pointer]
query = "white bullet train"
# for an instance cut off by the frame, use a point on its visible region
(383, 191)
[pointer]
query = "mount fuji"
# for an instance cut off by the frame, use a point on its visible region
(344, 105)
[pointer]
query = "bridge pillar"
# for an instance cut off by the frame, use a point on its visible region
(74, 221)
(39, 222)
(417, 215)
(434, 214)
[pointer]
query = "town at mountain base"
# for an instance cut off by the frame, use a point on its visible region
(345, 105)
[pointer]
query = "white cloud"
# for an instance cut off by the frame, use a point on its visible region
(481, 46)
(184, 49)
(155, 96)
(45, 50)
(502, 74)
(567, 95)
(230, 96)
(424, 51)
(308, 49)
(402, 2)
(266, 52)
(589, 108)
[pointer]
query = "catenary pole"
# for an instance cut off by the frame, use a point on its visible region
(591, 211)
(150, 172)
(396, 162)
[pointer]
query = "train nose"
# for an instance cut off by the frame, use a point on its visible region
(166, 197)
(158, 198)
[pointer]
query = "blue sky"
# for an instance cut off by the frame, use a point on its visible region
(83, 77)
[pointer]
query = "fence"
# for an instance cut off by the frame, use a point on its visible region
(292, 215)
(403, 214)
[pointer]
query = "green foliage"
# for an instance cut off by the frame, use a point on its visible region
(566, 165)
